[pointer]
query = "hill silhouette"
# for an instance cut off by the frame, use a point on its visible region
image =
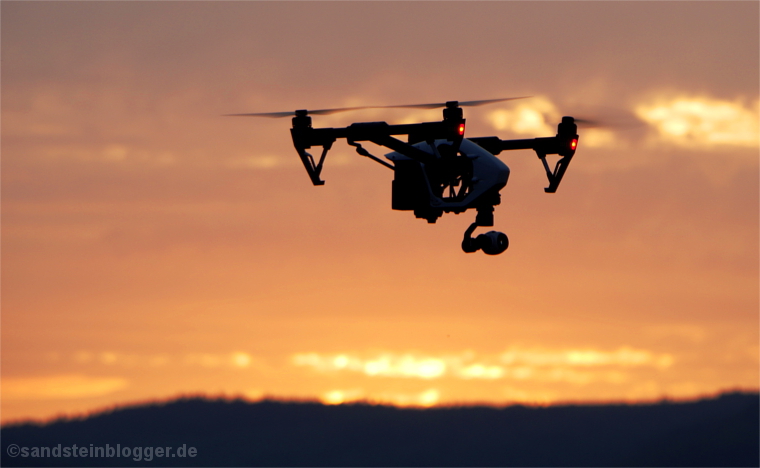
(722, 431)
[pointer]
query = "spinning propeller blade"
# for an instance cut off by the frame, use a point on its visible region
(606, 118)
(436, 105)
(271, 115)
(276, 115)
(589, 123)
(488, 101)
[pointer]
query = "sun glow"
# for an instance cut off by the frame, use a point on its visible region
(426, 398)
(573, 366)
(385, 365)
(337, 397)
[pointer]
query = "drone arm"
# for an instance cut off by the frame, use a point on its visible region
(542, 146)
(493, 145)
(564, 144)
(404, 148)
(380, 133)
(496, 145)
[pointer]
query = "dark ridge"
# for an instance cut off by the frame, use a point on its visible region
(721, 431)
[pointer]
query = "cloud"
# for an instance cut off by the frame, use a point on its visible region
(537, 116)
(385, 365)
(233, 360)
(691, 122)
(703, 122)
(60, 387)
(267, 161)
(586, 358)
(481, 371)
(577, 366)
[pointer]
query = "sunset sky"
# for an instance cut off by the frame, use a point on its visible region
(153, 248)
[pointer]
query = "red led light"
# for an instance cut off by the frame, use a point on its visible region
(461, 129)
(573, 143)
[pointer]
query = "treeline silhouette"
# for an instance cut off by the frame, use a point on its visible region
(721, 431)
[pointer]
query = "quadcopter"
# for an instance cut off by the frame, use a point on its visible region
(437, 170)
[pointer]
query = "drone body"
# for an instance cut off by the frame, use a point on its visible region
(437, 170)
(454, 183)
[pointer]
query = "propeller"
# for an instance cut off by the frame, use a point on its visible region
(608, 118)
(276, 115)
(450, 104)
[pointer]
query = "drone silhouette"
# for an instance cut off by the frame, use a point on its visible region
(437, 170)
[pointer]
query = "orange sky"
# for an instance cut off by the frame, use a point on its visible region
(151, 248)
